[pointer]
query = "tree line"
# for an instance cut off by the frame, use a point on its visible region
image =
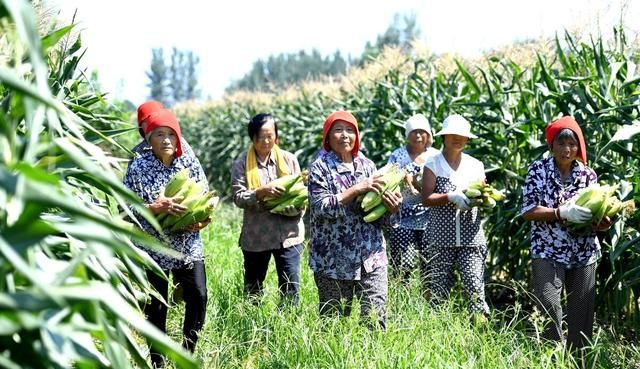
(177, 80)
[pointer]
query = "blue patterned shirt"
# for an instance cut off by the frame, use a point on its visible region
(412, 214)
(146, 176)
(342, 243)
(552, 240)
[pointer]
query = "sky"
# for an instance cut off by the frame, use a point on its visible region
(229, 35)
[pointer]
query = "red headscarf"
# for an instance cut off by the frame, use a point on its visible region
(567, 122)
(344, 116)
(165, 118)
(144, 110)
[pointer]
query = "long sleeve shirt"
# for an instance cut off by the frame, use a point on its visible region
(262, 230)
(146, 177)
(342, 243)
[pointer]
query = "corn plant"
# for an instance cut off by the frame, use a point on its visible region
(71, 280)
(509, 105)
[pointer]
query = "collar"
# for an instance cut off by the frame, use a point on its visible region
(340, 166)
(576, 168)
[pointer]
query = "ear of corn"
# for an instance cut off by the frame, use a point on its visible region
(285, 182)
(483, 195)
(176, 183)
(602, 201)
(199, 206)
(394, 178)
(375, 214)
(295, 193)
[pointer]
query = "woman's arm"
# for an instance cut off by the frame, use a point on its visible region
(243, 197)
(542, 214)
(429, 198)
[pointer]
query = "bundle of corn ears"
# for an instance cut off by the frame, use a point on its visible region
(295, 193)
(602, 202)
(393, 177)
(199, 206)
(483, 195)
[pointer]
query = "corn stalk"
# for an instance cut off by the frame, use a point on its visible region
(509, 105)
(71, 280)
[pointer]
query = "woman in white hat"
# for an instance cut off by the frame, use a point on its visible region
(455, 235)
(407, 240)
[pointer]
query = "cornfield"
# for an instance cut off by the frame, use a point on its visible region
(71, 280)
(509, 105)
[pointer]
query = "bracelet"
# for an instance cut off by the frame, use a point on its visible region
(556, 212)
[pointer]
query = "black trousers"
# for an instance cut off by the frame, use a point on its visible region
(194, 283)
(287, 266)
(579, 285)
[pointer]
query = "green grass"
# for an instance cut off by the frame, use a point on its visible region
(238, 334)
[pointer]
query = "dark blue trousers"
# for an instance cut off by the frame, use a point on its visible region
(287, 266)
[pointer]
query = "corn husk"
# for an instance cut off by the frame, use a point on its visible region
(295, 194)
(603, 202)
(371, 202)
(199, 205)
(483, 195)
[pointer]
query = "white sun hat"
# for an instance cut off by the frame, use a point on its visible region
(456, 124)
(417, 121)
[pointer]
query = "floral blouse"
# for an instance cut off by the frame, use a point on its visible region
(552, 240)
(146, 176)
(412, 214)
(342, 243)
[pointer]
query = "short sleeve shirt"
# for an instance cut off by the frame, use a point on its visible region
(412, 214)
(448, 225)
(552, 240)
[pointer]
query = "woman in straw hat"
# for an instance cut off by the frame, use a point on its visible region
(407, 240)
(455, 236)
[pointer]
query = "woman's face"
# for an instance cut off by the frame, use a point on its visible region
(163, 142)
(342, 137)
(266, 138)
(565, 150)
(419, 138)
(455, 142)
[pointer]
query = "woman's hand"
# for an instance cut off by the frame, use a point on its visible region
(392, 200)
(604, 224)
(198, 226)
(169, 205)
(269, 190)
(375, 184)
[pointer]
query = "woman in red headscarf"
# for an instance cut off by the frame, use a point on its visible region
(348, 255)
(562, 259)
(147, 176)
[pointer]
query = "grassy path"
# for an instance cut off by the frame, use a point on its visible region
(240, 335)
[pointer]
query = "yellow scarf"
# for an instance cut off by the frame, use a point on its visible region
(253, 178)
